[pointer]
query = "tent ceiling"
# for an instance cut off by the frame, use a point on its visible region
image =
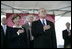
(64, 6)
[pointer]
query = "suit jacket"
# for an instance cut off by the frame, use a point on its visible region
(4, 38)
(67, 39)
(16, 41)
(26, 26)
(43, 39)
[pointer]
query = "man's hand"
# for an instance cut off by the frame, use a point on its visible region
(20, 31)
(46, 27)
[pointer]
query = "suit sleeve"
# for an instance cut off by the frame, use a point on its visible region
(53, 36)
(34, 30)
(2, 37)
(23, 35)
(65, 35)
(12, 35)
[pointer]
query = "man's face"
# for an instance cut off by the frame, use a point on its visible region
(3, 20)
(42, 13)
(68, 25)
(31, 19)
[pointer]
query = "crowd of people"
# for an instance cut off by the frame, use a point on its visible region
(33, 34)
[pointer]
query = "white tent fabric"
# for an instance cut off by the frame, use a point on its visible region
(58, 7)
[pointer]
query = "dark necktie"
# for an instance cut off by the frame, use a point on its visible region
(43, 22)
(30, 32)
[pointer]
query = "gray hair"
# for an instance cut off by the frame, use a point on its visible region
(29, 16)
(67, 23)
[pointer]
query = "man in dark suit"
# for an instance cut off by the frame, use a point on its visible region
(27, 26)
(43, 32)
(2, 37)
(4, 28)
(67, 36)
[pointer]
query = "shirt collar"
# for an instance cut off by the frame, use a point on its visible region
(17, 27)
(3, 25)
(44, 21)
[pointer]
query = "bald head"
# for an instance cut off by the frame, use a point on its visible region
(3, 20)
(42, 13)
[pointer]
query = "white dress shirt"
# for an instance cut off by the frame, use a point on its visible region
(29, 23)
(44, 21)
(31, 37)
(68, 30)
(4, 28)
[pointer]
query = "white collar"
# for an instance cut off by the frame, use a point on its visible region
(17, 26)
(3, 25)
(68, 29)
(29, 23)
(44, 21)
